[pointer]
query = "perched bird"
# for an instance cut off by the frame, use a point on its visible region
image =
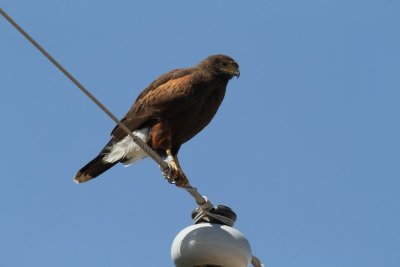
(169, 112)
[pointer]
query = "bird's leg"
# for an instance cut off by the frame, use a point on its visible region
(177, 175)
(177, 162)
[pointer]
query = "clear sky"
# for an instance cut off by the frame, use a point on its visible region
(305, 147)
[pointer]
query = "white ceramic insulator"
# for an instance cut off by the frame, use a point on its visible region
(210, 244)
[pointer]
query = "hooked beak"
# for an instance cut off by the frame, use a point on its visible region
(236, 73)
(232, 70)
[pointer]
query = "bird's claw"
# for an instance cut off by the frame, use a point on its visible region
(176, 176)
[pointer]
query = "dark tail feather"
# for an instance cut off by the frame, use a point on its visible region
(93, 169)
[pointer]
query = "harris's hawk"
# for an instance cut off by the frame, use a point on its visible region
(169, 112)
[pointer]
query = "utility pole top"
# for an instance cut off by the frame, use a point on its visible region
(210, 242)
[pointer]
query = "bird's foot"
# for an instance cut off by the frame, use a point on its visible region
(176, 175)
(178, 178)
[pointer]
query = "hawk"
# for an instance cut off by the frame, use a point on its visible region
(169, 112)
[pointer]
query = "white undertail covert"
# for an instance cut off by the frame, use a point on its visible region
(127, 149)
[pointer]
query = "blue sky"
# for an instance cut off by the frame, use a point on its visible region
(305, 147)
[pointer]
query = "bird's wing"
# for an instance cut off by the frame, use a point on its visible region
(165, 91)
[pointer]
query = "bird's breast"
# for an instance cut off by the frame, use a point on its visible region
(197, 115)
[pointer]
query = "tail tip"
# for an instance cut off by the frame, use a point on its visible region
(82, 177)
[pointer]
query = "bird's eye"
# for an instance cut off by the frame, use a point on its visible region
(224, 64)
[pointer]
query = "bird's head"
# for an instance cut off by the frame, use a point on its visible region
(221, 65)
